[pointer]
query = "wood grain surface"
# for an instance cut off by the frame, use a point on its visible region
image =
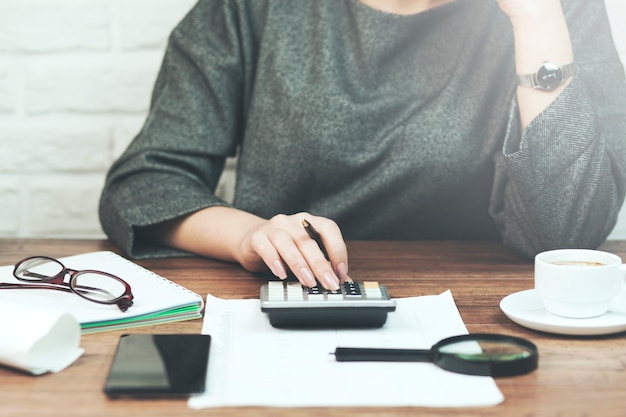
(577, 376)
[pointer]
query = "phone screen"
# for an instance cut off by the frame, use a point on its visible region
(159, 364)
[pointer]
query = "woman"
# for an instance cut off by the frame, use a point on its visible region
(375, 119)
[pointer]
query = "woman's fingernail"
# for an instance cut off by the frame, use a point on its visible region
(331, 281)
(308, 276)
(342, 271)
(278, 269)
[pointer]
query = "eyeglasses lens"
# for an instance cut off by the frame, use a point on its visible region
(38, 269)
(97, 287)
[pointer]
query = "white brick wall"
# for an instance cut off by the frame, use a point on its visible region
(75, 82)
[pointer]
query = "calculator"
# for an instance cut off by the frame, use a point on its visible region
(353, 305)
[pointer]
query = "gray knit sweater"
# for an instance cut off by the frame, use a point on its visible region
(396, 127)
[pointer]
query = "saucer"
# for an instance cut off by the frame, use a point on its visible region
(525, 308)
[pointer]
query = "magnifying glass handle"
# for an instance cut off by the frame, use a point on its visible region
(343, 354)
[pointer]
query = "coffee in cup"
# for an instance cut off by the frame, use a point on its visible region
(578, 283)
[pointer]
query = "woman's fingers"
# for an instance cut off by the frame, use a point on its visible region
(262, 245)
(285, 244)
(335, 246)
(282, 242)
(321, 267)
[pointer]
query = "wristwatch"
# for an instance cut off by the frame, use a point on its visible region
(548, 77)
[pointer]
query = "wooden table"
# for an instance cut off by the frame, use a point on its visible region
(577, 376)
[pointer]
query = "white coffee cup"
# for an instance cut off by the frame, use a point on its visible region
(578, 283)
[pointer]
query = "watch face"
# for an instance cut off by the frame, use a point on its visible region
(549, 76)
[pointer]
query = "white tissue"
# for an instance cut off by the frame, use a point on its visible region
(38, 339)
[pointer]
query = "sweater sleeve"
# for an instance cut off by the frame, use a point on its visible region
(173, 165)
(561, 181)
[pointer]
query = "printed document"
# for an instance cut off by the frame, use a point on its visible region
(253, 364)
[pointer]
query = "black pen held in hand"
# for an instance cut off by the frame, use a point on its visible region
(314, 235)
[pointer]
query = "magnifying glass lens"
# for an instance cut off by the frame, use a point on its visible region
(486, 350)
(486, 354)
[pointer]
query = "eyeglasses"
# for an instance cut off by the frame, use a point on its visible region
(49, 273)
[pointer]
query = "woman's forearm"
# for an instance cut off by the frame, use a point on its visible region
(541, 34)
(214, 232)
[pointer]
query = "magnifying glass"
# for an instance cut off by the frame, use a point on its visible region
(473, 354)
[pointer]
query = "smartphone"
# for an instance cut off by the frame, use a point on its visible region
(159, 364)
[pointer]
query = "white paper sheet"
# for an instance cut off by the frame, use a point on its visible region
(254, 364)
(37, 339)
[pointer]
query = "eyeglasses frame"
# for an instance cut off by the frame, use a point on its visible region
(123, 302)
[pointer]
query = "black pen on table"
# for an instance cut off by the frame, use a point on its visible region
(313, 234)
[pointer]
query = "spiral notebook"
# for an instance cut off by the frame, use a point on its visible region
(157, 300)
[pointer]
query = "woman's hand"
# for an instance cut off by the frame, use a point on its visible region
(282, 242)
(278, 243)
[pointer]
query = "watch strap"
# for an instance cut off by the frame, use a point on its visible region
(531, 80)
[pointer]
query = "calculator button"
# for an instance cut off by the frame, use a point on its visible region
(372, 289)
(334, 295)
(274, 296)
(294, 292)
(314, 293)
(351, 289)
(275, 291)
(314, 290)
(373, 294)
(316, 297)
